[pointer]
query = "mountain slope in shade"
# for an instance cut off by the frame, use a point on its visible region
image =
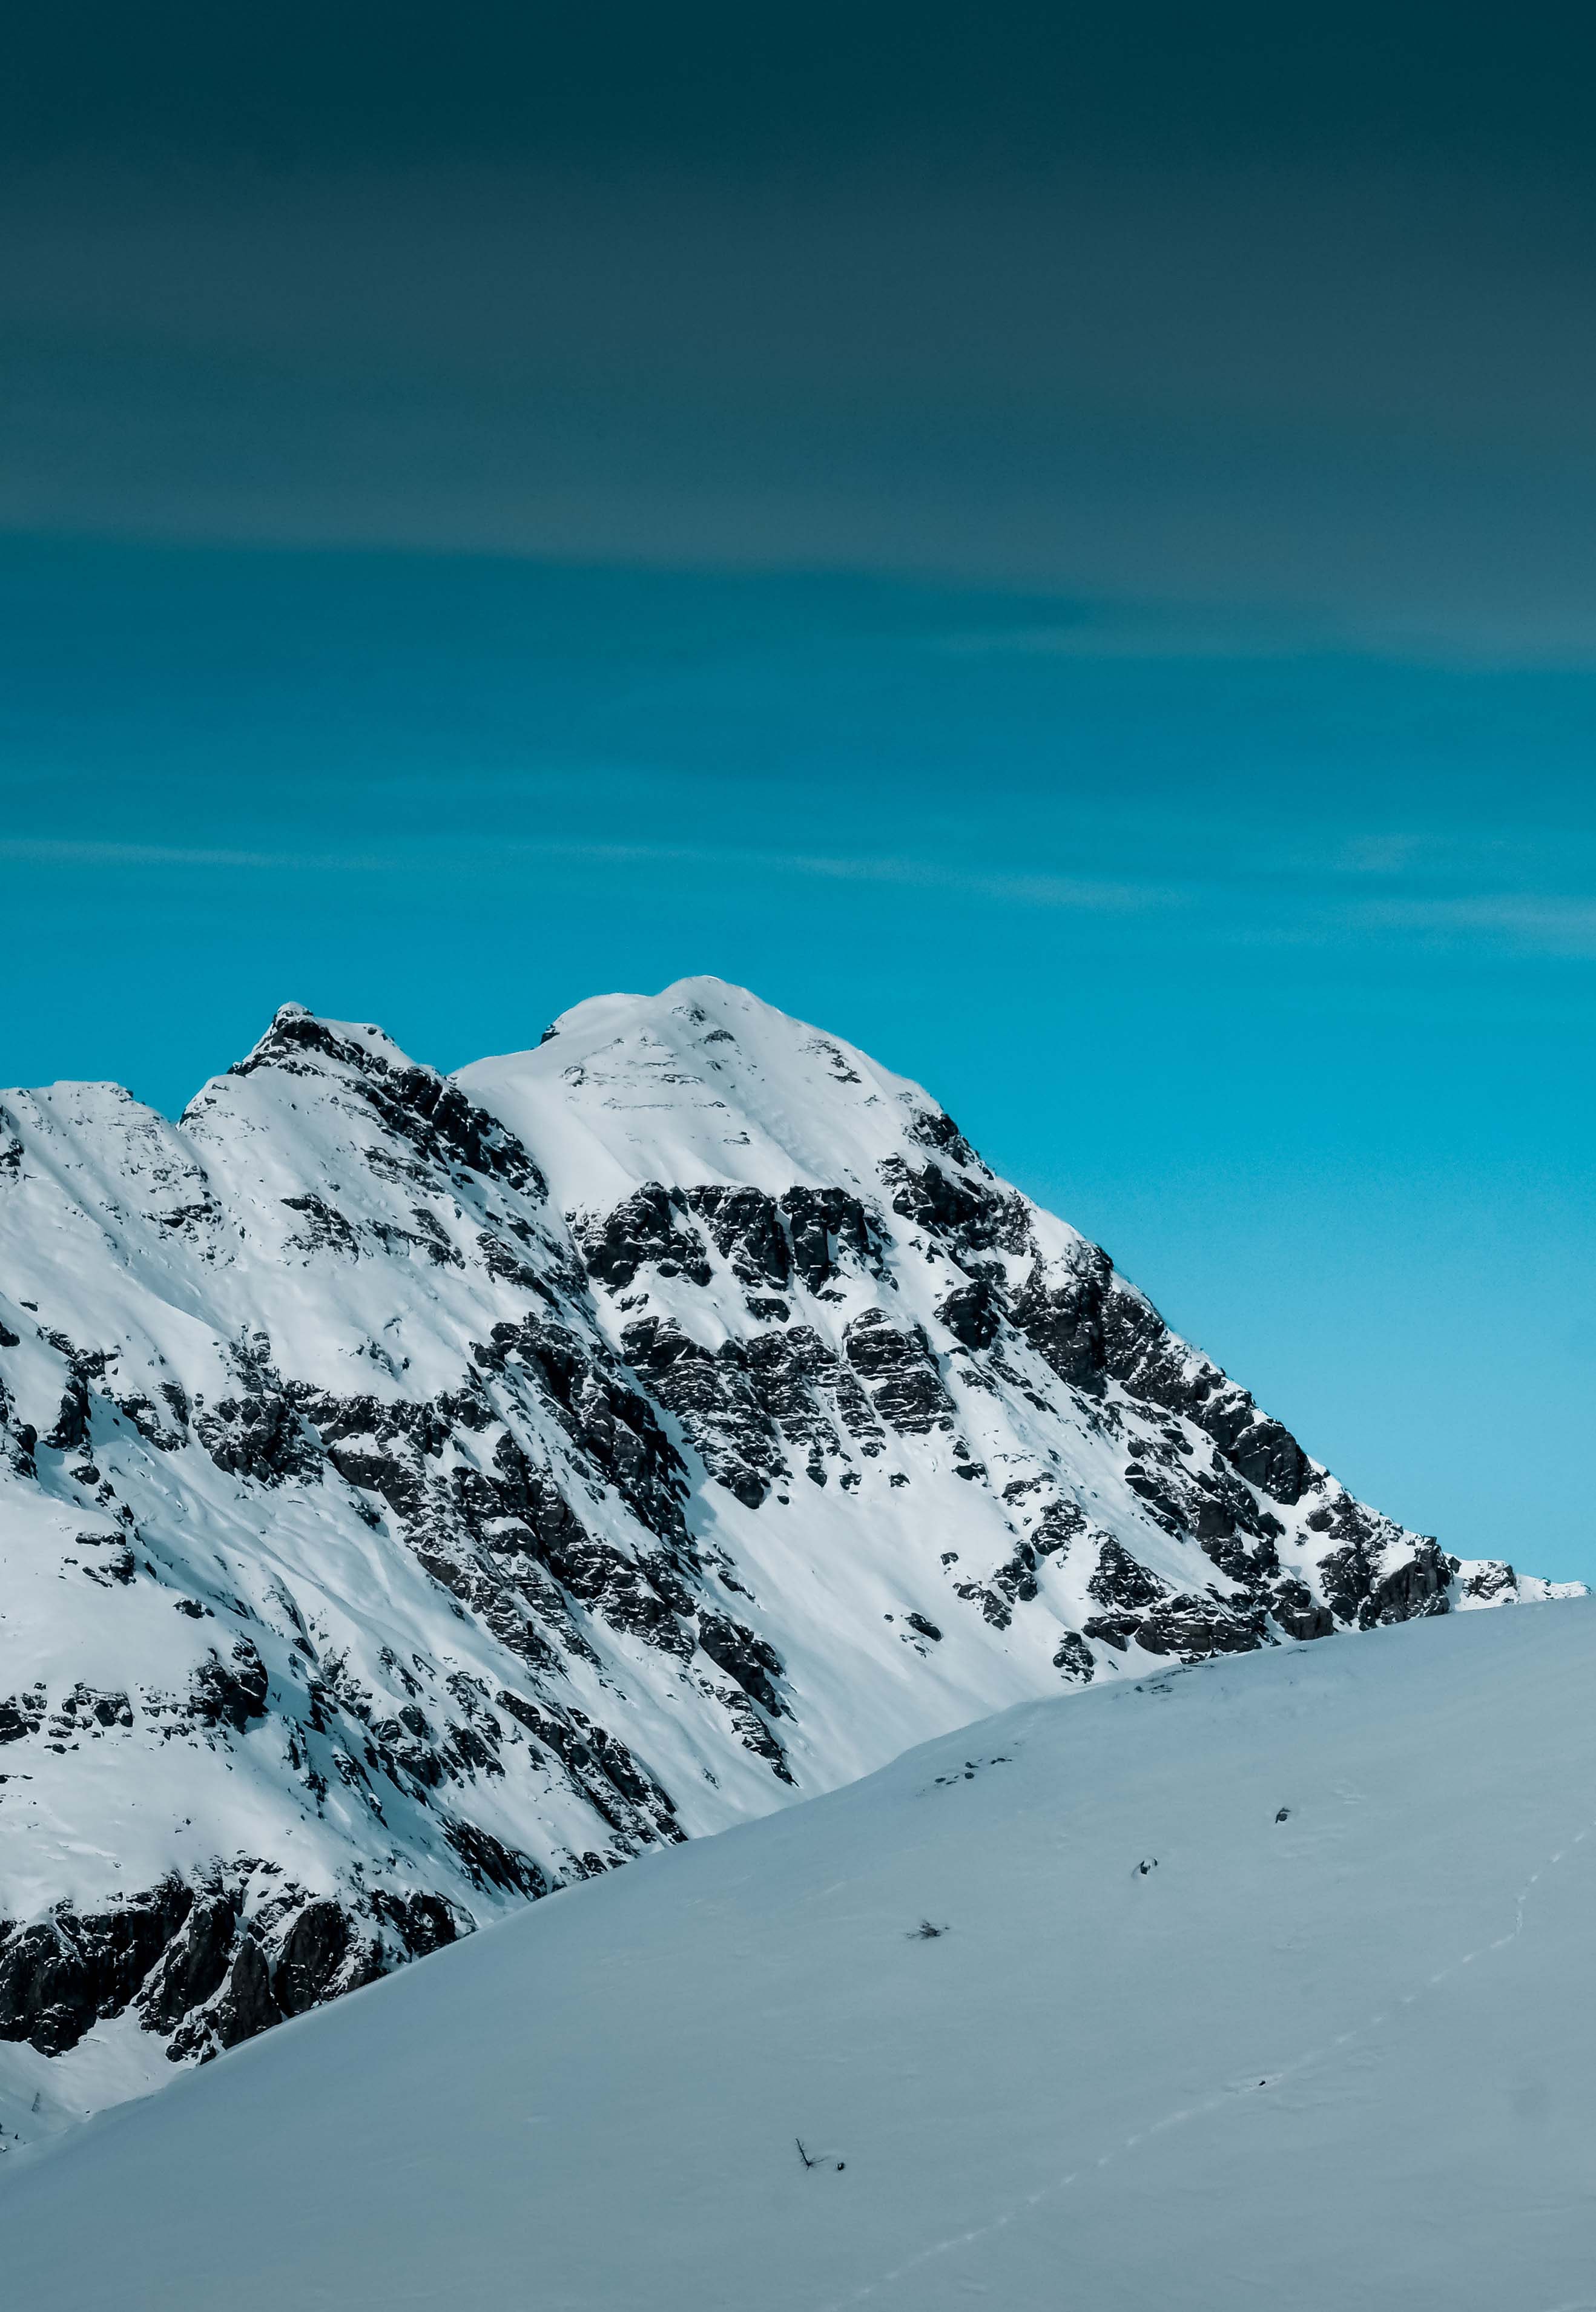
(1257, 1983)
(416, 1495)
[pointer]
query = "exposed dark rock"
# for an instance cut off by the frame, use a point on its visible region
(828, 1225)
(745, 1226)
(753, 1732)
(1074, 1657)
(969, 1218)
(1417, 1588)
(647, 1229)
(424, 1922)
(712, 1398)
(1056, 1527)
(141, 1411)
(1120, 1582)
(60, 1976)
(1298, 1611)
(900, 1372)
(1248, 1566)
(21, 1714)
(193, 1966)
(1091, 1327)
(1355, 1586)
(750, 1659)
(311, 1954)
(230, 1692)
(1116, 1630)
(932, 1127)
(1016, 1578)
(1195, 1628)
(96, 1708)
(929, 1198)
(1060, 1311)
(1144, 1357)
(973, 1313)
(246, 2007)
(611, 1423)
(602, 1768)
(70, 1434)
(259, 1434)
(490, 1863)
(505, 1265)
(416, 1104)
(996, 1608)
(325, 1228)
(793, 1373)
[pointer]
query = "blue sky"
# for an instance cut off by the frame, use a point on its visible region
(1058, 542)
(1266, 956)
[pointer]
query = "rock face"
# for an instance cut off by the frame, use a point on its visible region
(417, 1494)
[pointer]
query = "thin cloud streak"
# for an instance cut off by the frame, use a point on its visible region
(1551, 925)
(72, 852)
(1025, 890)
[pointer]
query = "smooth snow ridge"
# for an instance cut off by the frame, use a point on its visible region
(1259, 1983)
(417, 1495)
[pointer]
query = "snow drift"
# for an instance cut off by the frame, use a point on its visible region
(1259, 1983)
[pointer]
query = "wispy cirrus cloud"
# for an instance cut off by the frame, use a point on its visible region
(1008, 886)
(1545, 924)
(1247, 909)
(72, 851)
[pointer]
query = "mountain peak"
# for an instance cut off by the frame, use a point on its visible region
(420, 1492)
(296, 1032)
(709, 1083)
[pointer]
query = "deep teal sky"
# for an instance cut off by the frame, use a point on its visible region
(441, 345)
(1269, 961)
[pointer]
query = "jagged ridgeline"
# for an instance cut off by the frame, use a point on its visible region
(416, 1493)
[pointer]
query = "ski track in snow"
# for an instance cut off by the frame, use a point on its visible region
(1221, 2099)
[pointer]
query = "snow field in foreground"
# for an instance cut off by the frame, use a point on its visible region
(1345, 2057)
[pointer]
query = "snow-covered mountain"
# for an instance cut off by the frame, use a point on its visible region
(418, 1493)
(1260, 1984)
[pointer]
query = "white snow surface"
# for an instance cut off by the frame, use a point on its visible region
(703, 1082)
(493, 1639)
(1332, 2047)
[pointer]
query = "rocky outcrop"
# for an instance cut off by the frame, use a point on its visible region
(646, 1230)
(899, 1372)
(230, 1693)
(1094, 1329)
(199, 1971)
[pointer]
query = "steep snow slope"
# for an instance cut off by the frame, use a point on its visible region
(1330, 2046)
(414, 1495)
